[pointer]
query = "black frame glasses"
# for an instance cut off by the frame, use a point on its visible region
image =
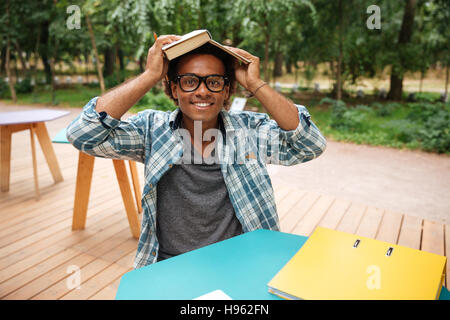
(202, 79)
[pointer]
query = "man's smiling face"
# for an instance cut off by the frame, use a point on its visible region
(201, 104)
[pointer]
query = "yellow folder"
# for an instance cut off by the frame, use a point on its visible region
(339, 265)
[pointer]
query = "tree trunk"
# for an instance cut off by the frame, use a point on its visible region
(108, 68)
(94, 46)
(396, 89)
(3, 58)
(266, 58)
(52, 67)
(22, 60)
(121, 59)
(446, 81)
(288, 66)
(8, 74)
(86, 69)
(339, 64)
(278, 68)
(422, 75)
(44, 52)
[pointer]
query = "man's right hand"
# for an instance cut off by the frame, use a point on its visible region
(119, 100)
(157, 63)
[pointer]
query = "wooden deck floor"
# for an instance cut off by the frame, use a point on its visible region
(38, 247)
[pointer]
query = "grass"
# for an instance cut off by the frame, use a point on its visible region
(70, 97)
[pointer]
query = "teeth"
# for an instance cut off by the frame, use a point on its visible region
(202, 104)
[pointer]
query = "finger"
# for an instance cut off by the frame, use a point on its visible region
(243, 53)
(166, 39)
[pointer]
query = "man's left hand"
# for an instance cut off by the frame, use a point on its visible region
(247, 74)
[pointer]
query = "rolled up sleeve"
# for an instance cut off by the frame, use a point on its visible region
(290, 147)
(101, 135)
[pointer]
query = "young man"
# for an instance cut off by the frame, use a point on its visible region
(224, 189)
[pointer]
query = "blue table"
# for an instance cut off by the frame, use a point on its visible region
(241, 267)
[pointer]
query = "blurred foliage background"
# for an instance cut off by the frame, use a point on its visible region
(319, 53)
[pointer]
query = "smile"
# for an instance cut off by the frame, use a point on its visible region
(202, 104)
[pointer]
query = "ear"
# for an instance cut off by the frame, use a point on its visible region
(173, 88)
(227, 91)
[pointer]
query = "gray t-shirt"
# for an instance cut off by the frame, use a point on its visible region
(193, 208)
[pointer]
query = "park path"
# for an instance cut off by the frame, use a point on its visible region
(411, 182)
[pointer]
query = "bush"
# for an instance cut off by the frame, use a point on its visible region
(427, 97)
(115, 79)
(3, 88)
(157, 101)
(24, 86)
(402, 130)
(384, 110)
(343, 118)
(435, 134)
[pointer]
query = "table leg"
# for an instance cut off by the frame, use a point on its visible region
(82, 190)
(125, 190)
(33, 156)
(5, 157)
(49, 153)
(136, 186)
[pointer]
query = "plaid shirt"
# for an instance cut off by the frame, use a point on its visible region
(250, 141)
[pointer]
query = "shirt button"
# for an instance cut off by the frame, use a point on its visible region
(153, 253)
(170, 165)
(151, 185)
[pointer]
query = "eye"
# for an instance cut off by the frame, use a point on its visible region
(215, 82)
(189, 81)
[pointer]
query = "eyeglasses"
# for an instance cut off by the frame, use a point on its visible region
(190, 82)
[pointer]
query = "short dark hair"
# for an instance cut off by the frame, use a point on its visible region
(207, 48)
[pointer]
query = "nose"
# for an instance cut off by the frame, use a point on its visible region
(202, 89)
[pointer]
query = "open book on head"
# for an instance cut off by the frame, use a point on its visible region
(193, 40)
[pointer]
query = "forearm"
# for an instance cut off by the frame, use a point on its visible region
(279, 107)
(120, 99)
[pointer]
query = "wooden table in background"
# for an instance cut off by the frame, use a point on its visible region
(83, 187)
(33, 120)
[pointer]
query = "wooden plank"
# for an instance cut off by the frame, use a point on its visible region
(370, 223)
(105, 217)
(390, 227)
(352, 218)
(42, 282)
(39, 259)
(335, 214)
(41, 220)
(433, 237)
(313, 216)
(96, 283)
(289, 202)
(23, 278)
(127, 261)
(60, 288)
(22, 210)
(411, 232)
(107, 293)
(280, 192)
(45, 280)
(296, 213)
(35, 237)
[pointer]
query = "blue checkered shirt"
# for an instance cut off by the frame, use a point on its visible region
(251, 140)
